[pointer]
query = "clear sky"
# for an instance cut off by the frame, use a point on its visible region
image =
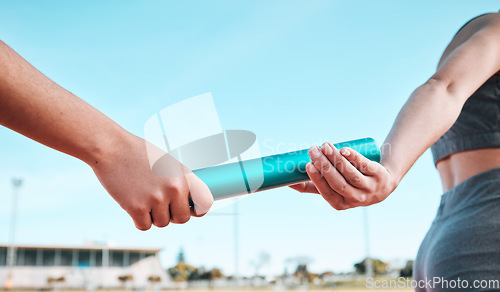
(296, 73)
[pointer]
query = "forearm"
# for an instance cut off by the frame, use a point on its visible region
(33, 105)
(36, 107)
(429, 112)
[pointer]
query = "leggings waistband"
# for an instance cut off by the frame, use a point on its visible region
(480, 188)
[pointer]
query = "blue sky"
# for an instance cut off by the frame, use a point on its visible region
(296, 73)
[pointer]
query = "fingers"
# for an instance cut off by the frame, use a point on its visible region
(345, 168)
(179, 205)
(332, 176)
(160, 215)
(171, 204)
(361, 163)
(305, 187)
(332, 197)
(142, 219)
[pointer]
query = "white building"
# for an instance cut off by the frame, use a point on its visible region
(83, 267)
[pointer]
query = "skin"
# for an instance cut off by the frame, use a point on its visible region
(347, 180)
(35, 106)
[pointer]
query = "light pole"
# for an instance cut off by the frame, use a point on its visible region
(236, 275)
(11, 252)
(368, 263)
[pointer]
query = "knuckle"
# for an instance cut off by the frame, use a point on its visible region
(136, 211)
(173, 188)
(325, 167)
(157, 199)
(361, 198)
(338, 160)
(358, 199)
(355, 178)
(342, 188)
(374, 168)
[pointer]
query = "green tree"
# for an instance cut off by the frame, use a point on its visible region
(180, 256)
(181, 272)
(407, 271)
(211, 275)
(379, 267)
(124, 279)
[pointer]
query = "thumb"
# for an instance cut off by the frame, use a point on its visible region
(200, 194)
(305, 187)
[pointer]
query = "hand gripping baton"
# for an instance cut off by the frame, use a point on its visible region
(255, 175)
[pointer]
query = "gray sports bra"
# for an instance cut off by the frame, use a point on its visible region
(478, 125)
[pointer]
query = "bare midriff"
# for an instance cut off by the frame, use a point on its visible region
(460, 166)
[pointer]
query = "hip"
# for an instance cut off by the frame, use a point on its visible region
(461, 166)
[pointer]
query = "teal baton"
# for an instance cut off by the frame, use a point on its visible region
(255, 175)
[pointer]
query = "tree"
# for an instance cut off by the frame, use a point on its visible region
(303, 274)
(154, 280)
(124, 279)
(263, 258)
(379, 267)
(180, 256)
(181, 272)
(407, 271)
(211, 275)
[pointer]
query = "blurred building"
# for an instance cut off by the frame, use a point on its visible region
(83, 267)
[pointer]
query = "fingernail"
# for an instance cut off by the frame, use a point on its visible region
(327, 149)
(315, 151)
(345, 152)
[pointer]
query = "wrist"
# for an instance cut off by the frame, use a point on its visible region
(394, 174)
(105, 145)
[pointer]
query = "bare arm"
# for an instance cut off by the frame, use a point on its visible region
(346, 179)
(36, 107)
(33, 105)
(433, 108)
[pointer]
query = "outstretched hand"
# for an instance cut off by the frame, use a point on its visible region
(151, 197)
(345, 178)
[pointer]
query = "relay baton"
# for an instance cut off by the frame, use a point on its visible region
(255, 175)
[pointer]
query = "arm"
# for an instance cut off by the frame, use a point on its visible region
(36, 107)
(346, 179)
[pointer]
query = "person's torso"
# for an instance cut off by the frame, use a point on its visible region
(472, 144)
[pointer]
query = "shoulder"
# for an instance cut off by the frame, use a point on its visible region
(486, 25)
(482, 23)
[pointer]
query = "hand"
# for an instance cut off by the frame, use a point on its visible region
(345, 178)
(150, 198)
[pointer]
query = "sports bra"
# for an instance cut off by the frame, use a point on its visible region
(477, 126)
